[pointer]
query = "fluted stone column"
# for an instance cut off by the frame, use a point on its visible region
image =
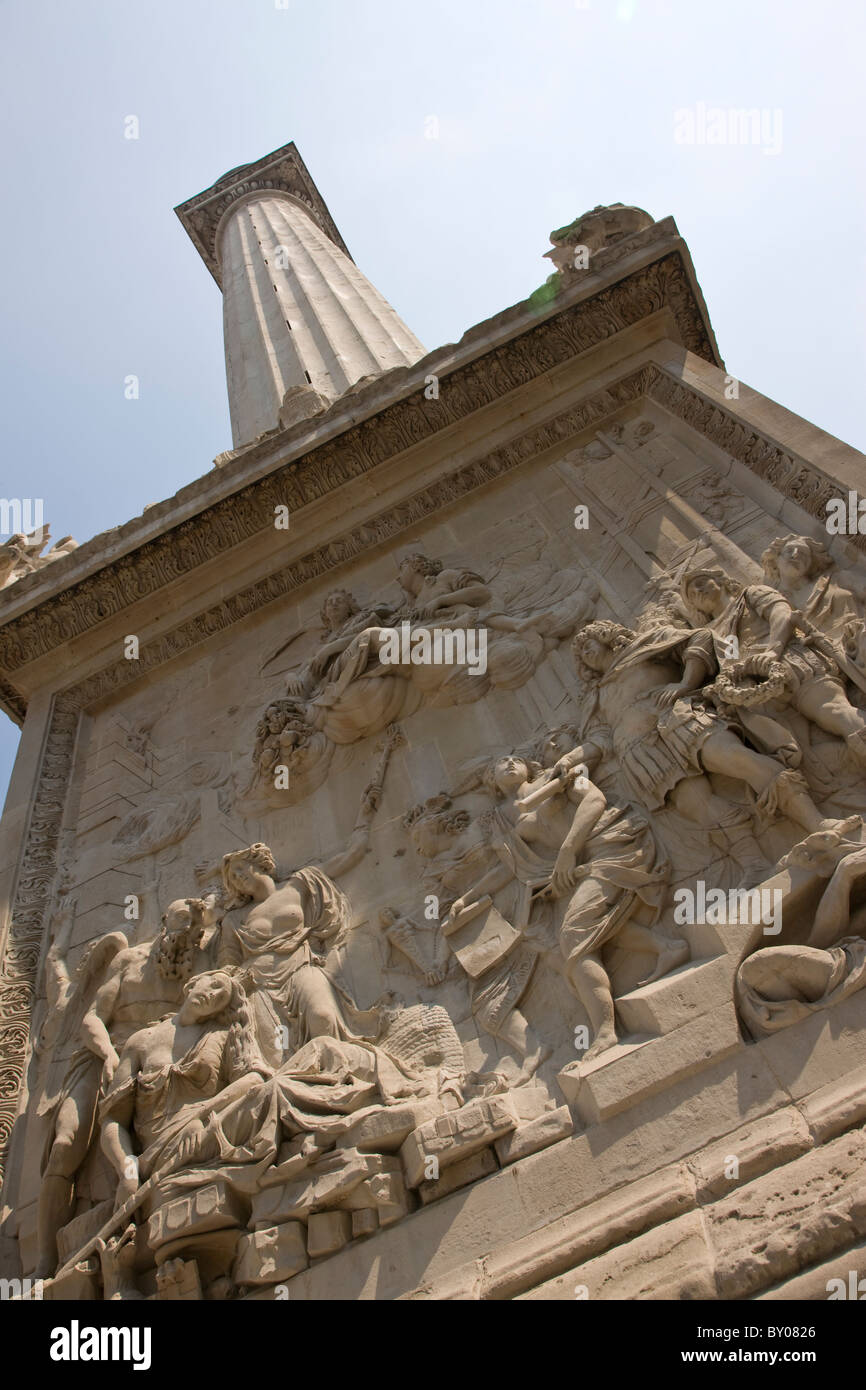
(302, 324)
(299, 316)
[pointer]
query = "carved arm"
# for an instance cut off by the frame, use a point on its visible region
(781, 622)
(493, 880)
(94, 1027)
(116, 1137)
(834, 909)
(694, 675)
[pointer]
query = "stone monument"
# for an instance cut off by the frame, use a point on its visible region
(434, 866)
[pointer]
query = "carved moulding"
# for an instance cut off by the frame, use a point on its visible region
(369, 534)
(795, 479)
(354, 453)
(283, 170)
(12, 701)
(32, 897)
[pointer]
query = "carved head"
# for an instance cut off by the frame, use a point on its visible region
(854, 641)
(556, 743)
(505, 775)
(338, 606)
(795, 557)
(219, 995)
(274, 720)
(434, 818)
(596, 645)
(243, 869)
(414, 569)
(205, 996)
(708, 590)
(822, 851)
(180, 938)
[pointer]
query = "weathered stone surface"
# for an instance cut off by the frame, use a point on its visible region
(385, 1130)
(328, 1231)
(178, 1281)
(457, 1135)
(329, 1183)
(471, 1169)
(748, 1152)
(81, 1284)
(72, 1237)
(842, 1278)
(624, 1075)
(364, 1223)
(676, 999)
(271, 1254)
(811, 1056)
(533, 1135)
(531, 1101)
(214, 1253)
(385, 1193)
(797, 1214)
(836, 1107)
(554, 1248)
(207, 1208)
(673, 1261)
(551, 1185)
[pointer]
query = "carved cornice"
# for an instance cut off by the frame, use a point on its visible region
(357, 451)
(801, 482)
(378, 530)
(12, 702)
(283, 171)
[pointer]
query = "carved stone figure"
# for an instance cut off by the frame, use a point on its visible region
(120, 989)
(364, 1011)
(342, 618)
(641, 709)
(282, 942)
(556, 837)
(71, 1110)
(279, 732)
(551, 608)
(762, 623)
(601, 227)
(779, 985)
(174, 1080)
(192, 1102)
(433, 591)
(457, 859)
(804, 572)
(362, 677)
(22, 554)
(853, 657)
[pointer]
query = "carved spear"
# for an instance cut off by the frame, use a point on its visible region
(118, 1216)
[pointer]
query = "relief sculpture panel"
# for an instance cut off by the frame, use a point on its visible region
(409, 869)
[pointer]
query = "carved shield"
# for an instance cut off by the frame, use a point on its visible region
(482, 941)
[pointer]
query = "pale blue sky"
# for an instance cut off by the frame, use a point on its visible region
(545, 108)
